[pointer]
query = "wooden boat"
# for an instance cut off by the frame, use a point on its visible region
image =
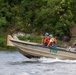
(36, 50)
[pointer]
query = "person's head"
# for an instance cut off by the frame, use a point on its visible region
(46, 34)
(50, 35)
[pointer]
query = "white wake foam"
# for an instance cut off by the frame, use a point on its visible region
(50, 60)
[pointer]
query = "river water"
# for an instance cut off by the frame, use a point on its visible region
(13, 63)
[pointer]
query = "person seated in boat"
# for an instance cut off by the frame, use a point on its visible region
(52, 42)
(46, 39)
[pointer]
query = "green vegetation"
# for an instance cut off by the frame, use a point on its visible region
(3, 44)
(36, 39)
(36, 16)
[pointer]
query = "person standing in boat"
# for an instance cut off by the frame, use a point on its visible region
(46, 39)
(52, 42)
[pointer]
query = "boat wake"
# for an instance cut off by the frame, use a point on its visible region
(50, 60)
(40, 60)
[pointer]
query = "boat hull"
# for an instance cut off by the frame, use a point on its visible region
(36, 51)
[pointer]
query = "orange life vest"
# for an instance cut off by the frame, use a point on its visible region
(46, 40)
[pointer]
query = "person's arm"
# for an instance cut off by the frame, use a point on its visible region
(48, 44)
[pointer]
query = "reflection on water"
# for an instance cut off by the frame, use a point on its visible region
(23, 62)
(13, 63)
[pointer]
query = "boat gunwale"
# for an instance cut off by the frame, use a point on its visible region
(29, 43)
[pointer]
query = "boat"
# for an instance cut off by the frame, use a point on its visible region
(36, 50)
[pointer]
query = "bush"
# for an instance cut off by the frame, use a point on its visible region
(3, 44)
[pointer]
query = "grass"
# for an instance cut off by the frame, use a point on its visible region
(36, 39)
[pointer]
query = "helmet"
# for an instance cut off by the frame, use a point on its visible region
(46, 34)
(50, 35)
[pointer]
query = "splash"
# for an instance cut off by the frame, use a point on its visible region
(50, 60)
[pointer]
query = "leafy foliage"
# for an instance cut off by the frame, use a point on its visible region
(38, 16)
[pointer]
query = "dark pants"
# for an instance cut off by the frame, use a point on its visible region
(45, 45)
